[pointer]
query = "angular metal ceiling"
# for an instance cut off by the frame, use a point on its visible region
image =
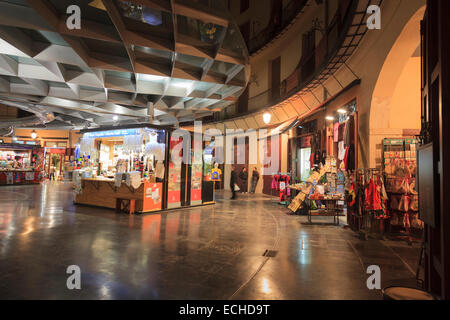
(164, 61)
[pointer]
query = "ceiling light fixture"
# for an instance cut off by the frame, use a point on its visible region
(33, 134)
(329, 118)
(115, 118)
(342, 111)
(267, 117)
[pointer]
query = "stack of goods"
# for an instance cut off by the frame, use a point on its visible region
(400, 168)
(308, 188)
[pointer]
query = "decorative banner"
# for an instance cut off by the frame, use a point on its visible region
(113, 133)
(174, 188)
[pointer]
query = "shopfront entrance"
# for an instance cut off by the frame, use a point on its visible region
(54, 161)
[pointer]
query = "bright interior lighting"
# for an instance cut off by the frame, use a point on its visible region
(329, 118)
(265, 286)
(342, 111)
(115, 118)
(267, 117)
(33, 135)
(182, 84)
(148, 77)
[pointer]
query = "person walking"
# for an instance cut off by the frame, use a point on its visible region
(52, 173)
(255, 179)
(243, 176)
(233, 180)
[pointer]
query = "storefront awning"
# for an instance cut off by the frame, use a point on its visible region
(282, 128)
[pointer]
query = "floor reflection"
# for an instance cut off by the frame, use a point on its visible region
(213, 252)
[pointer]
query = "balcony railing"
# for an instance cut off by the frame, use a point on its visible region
(314, 63)
(289, 12)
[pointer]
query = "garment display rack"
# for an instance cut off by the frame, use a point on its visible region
(360, 217)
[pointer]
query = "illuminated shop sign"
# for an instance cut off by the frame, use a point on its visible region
(113, 133)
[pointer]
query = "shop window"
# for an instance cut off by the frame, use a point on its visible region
(308, 127)
(307, 61)
(275, 76)
(304, 163)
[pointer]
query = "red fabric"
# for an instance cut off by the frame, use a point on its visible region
(373, 196)
(336, 132)
(346, 157)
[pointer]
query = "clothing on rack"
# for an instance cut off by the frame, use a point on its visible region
(277, 180)
(341, 131)
(336, 132)
(318, 158)
(341, 151)
(349, 131)
(350, 162)
(367, 197)
(373, 196)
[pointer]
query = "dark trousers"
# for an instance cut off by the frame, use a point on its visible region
(253, 187)
(244, 186)
(233, 192)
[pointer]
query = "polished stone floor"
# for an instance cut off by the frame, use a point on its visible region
(213, 252)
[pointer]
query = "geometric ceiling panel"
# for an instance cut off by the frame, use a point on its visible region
(164, 61)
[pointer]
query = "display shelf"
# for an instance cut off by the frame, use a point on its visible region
(399, 164)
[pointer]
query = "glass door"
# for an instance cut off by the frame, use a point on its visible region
(305, 164)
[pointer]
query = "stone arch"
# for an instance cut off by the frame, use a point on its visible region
(396, 99)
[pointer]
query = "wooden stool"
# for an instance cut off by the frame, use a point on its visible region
(127, 205)
(401, 293)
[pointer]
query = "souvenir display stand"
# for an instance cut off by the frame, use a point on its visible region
(367, 209)
(131, 169)
(323, 194)
(400, 168)
(385, 201)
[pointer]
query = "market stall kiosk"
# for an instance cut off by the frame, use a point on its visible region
(131, 169)
(21, 164)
